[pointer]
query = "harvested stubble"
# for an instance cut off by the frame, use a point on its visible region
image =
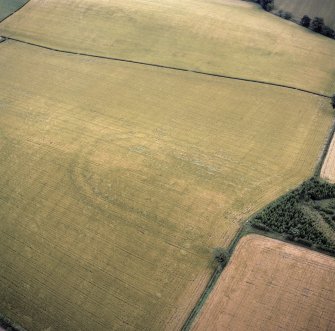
(272, 285)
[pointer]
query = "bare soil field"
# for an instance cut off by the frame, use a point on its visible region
(235, 38)
(312, 8)
(117, 180)
(272, 285)
(328, 168)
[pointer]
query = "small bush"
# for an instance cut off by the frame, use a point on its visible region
(220, 256)
(317, 24)
(305, 21)
(328, 32)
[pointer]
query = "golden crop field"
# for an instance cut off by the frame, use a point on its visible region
(272, 285)
(299, 8)
(223, 36)
(117, 180)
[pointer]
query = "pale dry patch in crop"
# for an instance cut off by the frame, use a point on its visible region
(272, 285)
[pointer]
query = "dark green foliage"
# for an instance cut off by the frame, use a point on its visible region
(220, 256)
(305, 21)
(333, 101)
(287, 215)
(8, 325)
(268, 5)
(317, 24)
(328, 32)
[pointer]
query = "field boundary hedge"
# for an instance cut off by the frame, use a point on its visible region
(155, 65)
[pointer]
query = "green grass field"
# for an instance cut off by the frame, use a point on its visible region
(227, 36)
(9, 6)
(299, 8)
(117, 180)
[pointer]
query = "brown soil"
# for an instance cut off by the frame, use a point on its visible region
(272, 285)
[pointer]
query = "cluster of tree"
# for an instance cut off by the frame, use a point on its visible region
(267, 5)
(317, 25)
(287, 217)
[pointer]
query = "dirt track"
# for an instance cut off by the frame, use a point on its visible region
(271, 285)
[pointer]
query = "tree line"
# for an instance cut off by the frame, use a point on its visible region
(316, 24)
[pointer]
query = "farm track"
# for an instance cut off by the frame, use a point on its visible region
(155, 65)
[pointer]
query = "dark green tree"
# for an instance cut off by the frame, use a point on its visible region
(317, 24)
(268, 5)
(305, 21)
(333, 101)
(328, 32)
(220, 256)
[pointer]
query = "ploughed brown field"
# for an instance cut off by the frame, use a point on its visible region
(272, 285)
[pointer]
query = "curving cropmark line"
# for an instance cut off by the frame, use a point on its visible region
(155, 65)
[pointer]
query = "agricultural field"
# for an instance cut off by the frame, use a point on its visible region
(9, 6)
(272, 285)
(312, 8)
(229, 37)
(328, 168)
(117, 180)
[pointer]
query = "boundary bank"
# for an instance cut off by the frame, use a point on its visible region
(155, 65)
